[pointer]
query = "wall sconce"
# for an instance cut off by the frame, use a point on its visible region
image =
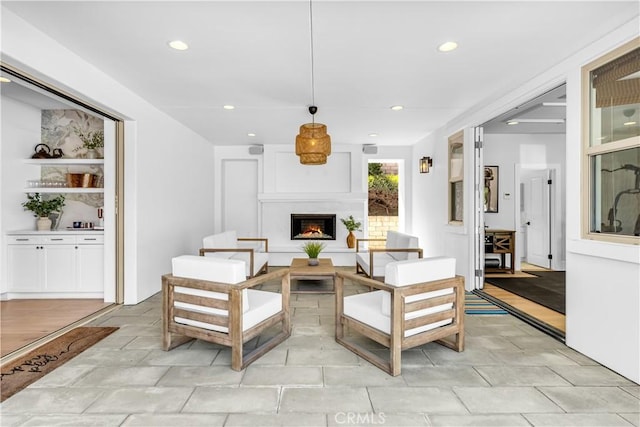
(425, 164)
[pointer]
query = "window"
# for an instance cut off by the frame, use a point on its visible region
(611, 120)
(456, 175)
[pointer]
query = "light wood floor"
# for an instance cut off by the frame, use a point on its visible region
(24, 321)
(537, 311)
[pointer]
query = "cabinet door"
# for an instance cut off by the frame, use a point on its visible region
(24, 269)
(60, 268)
(90, 268)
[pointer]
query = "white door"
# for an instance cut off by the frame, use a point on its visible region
(59, 268)
(24, 268)
(536, 216)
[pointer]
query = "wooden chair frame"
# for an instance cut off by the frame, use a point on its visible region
(263, 269)
(372, 251)
(175, 334)
(395, 341)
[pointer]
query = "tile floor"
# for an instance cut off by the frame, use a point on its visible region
(509, 375)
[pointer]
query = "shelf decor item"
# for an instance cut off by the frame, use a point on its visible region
(42, 208)
(91, 141)
(351, 226)
(80, 180)
(313, 249)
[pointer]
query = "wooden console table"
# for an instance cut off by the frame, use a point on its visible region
(500, 242)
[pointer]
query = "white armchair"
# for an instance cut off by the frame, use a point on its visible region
(398, 247)
(420, 301)
(254, 251)
(211, 299)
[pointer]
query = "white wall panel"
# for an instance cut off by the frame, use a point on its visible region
(240, 196)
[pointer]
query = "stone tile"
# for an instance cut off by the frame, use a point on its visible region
(63, 376)
(325, 400)
(50, 401)
(501, 400)
(200, 376)
(122, 377)
(591, 376)
(108, 357)
(532, 358)
(592, 399)
(282, 375)
(315, 311)
(497, 420)
(359, 376)
(203, 345)
(129, 320)
(230, 400)
(413, 357)
(633, 390)
(571, 420)
(140, 331)
(376, 419)
(115, 341)
(141, 399)
(634, 419)
(337, 357)
(304, 302)
(75, 420)
(310, 342)
(13, 420)
(306, 320)
(322, 330)
(415, 399)
(521, 376)
(180, 357)
(440, 355)
(443, 376)
(277, 356)
(274, 420)
(144, 343)
(494, 331)
(536, 342)
(488, 343)
(577, 357)
(173, 420)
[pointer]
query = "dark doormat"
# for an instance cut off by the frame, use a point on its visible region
(19, 373)
(547, 288)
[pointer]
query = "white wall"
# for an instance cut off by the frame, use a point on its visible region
(168, 168)
(602, 278)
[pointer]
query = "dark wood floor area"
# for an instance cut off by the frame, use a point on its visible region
(24, 321)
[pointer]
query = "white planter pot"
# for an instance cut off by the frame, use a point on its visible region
(43, 224)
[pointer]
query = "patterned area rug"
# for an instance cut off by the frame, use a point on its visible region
(19, 373)
(473, 304)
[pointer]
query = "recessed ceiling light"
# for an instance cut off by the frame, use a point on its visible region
(373, 135)
(397, 107)
(228, 107)
(4, 80)
(629, 123)
(448, 46)
(178, 45)
(512, 122)
(251, 134)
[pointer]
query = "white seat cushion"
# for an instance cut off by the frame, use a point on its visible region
(367, 308)
(259, 259)
(262, 305)
(380, 260)
(226, 240)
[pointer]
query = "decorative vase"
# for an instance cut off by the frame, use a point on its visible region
(351, 240)
(43, 224)
(313, 261)
(91, 154)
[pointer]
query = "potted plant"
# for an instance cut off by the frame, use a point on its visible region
(351, 226)
(42, 208)
(313, 249)
(91, 141)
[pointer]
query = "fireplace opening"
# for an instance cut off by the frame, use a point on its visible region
(313, 227)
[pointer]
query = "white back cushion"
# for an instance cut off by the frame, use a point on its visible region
(226, 240)
(401, 241)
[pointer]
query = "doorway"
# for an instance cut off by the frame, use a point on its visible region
(525, 146)
(33, 104)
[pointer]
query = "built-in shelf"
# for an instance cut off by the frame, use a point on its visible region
(63, 190)
(61, 162)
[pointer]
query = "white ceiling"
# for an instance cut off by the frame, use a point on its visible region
(369, 55)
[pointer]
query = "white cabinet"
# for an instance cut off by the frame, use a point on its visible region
(55, 266)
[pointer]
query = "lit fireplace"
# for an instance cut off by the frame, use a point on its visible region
(313, 227)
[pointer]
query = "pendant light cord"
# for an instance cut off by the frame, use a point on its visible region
(313, 88)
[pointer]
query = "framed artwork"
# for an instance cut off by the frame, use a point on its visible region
(491, 179)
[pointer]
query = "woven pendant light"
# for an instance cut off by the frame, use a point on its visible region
(313, 145)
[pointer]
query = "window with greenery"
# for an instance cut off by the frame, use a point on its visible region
(611, 117)
(456, 178)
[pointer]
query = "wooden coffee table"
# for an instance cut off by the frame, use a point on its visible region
(301, 270)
